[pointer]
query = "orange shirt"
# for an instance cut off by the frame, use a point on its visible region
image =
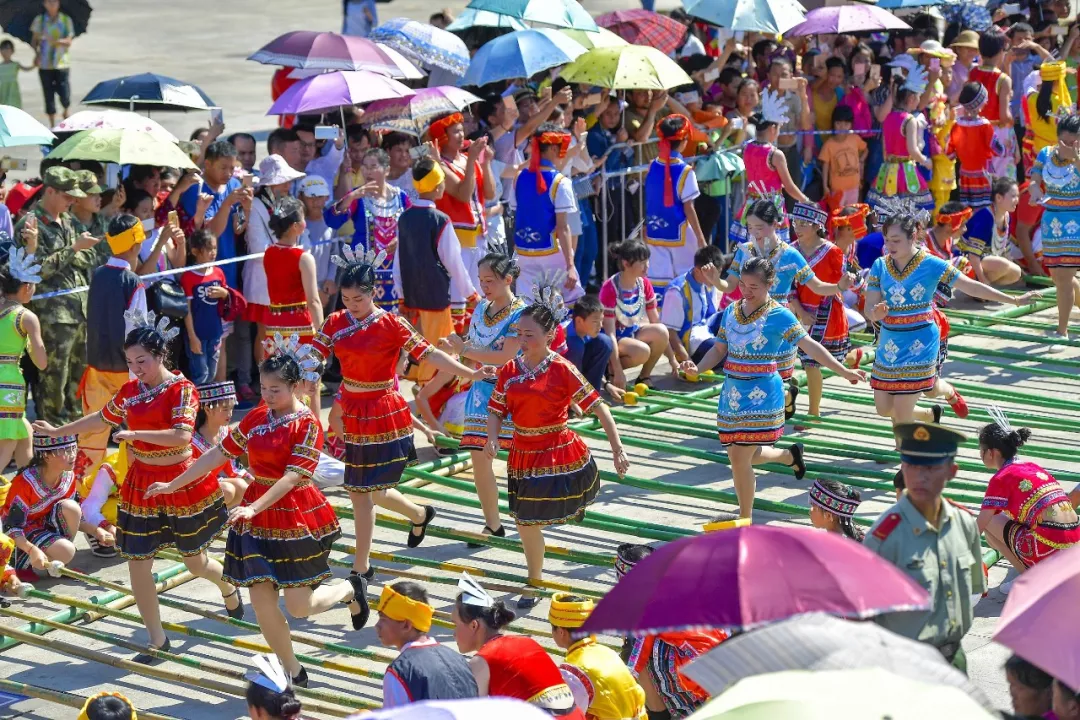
(842, 153)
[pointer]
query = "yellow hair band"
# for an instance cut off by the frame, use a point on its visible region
(725, 525)
(569, 614)
(430, 181)
(1052, 71)
(126, 240)
(83, 713)
(396, 606)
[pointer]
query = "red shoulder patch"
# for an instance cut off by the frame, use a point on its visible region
(886, 526)
(958, 506)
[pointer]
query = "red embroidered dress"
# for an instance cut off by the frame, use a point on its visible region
(287, 544)
(378, 424)
(1025, 492)
(32, 511)
(830, 326)
(188, 519)
(551, 476)
(520, 668)
(288, 302)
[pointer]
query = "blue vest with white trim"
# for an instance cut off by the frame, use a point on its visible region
(434, 672)
(535, 221)
(688, 290)
(665, 225)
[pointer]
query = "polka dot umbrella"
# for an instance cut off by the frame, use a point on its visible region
(631, 67)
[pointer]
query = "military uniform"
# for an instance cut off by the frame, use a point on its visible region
(63, 326)
(945, 560)
(98, 223)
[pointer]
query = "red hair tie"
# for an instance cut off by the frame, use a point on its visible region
(546, 138)
(665, 156)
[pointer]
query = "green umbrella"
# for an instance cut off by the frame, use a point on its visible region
(718, 166)
(629, 67)
(589, 40)
(122, 146)
(866, 693)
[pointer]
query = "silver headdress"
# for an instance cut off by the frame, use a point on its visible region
(548, 292)
(758, 191)
(352, 257)
(472, 593)
(21, 266)
(773, 108)
(999, 418)
(902, 207)
(304, 355)
(269, 673)
(917, 80)
(160, 325)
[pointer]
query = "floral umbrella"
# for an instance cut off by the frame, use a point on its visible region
(412, 115)
(424, 44)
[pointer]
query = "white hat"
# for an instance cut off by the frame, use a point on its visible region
(273, 170)
(314, 186)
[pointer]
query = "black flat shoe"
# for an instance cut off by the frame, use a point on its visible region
(794, 388)
(301, 680)
(415, 540)
(501, 532)
(796, 450)
(236, 613)
(938, 411)
(359, 585)
(150, 658)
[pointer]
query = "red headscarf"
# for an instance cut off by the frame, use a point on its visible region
(856, 220)
(562, 139)
(437, 129)
(954, 220)
(666, 141)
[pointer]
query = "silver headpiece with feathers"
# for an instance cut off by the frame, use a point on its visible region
(22, 267)
(363, 257)
(999, 418)
(472, 593)
(160, 325)
(304, 355)
(917, 80)
(548, 292)
(269, 673)
(773, 108)
(759, 191)
(889, 208)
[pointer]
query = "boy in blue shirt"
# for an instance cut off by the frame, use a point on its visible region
(587, 345)
(228, 196)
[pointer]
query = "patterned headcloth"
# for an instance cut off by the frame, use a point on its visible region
(45, 443)
(667, 140)
(437, 129)
(831, 502)
(566, 614)
(811, 213)
(562, 139)
(954, 220)
(974, 105)
(856, 220)
(624, 561)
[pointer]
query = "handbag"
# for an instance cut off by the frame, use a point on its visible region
(167, 298)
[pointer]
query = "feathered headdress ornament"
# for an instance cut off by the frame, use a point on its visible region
(547, 292)
(773, 108)
(269, 673)
(472, 593)
(160, 325)
(889, 208)
(759, 191)
(303, 355)
(350, 257)
(916, 80)
(22, 267)
(999, 418)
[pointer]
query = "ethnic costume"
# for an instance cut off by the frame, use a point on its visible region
(287, 544)
(519, 667)
(100, 488)
(899, 175)
(751, 406)
(907, 360)
(488, 333)
(378, 424)
(1041, 131)
(375, 223)
(975, 146)
(1024, 491)
(32, 509)
(762, 183)
(943, 175)
(1001, 165)
(830, 327)
(551, 475)
(288, 312)
(211, 394)
(1061, 217)
(669, 184)
(689, 306)
(628, 308)
(188, 519)
(12, 385)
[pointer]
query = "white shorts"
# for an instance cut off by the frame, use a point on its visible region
(532, 267)
(668, 262)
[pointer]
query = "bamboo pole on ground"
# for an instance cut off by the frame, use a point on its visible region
(59, 697)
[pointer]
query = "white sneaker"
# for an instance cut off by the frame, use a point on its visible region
(1054, 348)
(1005, 587)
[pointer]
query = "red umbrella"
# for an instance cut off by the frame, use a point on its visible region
(644, 27)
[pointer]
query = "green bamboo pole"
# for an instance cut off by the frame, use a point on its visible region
(59, 697)
(972, 318)
(961, 355)
(1017, 356)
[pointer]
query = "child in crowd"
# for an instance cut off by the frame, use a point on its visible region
(441, 403)
(842, 158)
(691, 301)
(588, 347)
(204, 289)
(318, 237)
(100, 492)
(108, 706)
(216, 403)
(9, 75)
(832, 508)
(999, 89)
(973, 143)
(19, 329)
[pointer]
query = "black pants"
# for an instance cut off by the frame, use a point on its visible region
(54, 83)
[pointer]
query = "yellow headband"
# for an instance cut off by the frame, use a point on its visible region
(83, 713)
(569, 614)
(430, 181)
(126, 240)
(1054, 72)
(396, 606)
(725, 525)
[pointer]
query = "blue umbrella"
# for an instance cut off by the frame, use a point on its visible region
(520, 54)
(470, 18)
(897, 4)
(149, 92)
(559, 13)
(969, 15)
(770, 16)
(18, 127)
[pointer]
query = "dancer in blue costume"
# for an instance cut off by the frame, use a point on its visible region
(755, 334)
(491, 340)
(900, 290)
(791, 270)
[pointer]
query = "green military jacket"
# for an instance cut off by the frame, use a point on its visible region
(61, 267)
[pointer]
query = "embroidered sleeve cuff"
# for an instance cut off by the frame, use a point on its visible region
(112, 415)
(304, 472)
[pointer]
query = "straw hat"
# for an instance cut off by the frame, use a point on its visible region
(935, 49)
(966, 39)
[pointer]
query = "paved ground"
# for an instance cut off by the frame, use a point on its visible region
(206, 43)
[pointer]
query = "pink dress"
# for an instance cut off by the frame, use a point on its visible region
(762, 180)
(899, 176)
(1025, 492)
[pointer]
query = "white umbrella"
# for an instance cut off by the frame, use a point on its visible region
(115, 120)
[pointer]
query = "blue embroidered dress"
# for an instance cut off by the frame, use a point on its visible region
(665, 226)
(488, 333)
(751, 407)
(1061, 221)
(906, 360)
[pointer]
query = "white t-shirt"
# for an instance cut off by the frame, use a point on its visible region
(693, 46)
(672, 314)
(564, 197)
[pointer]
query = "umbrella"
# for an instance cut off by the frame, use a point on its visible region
(470, 18)
(16, 16)
(559, 13)
(632, 67)
(488, 708)
(412, 115)
(735, 579)
(821, 642)
(859, 693)
(837, 19)
(424, 44)
(769, 16)
(590, 40)
(520, 54)
(645, 27)
(17, 127)
(328, 91)
(123, 147)
(148, 91)
(898, 4)
(969, 15)
(718, 166)
(114, 120)
(324, 51)
(1041, 618)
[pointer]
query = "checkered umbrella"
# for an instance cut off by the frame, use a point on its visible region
(645, 27)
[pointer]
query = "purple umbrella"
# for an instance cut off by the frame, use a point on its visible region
(325, 51)
(836, 19)
(337, 89)
(412, 115)
(746, 577)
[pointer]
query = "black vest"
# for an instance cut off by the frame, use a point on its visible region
(425, 282)
(434, 672)
(110, 295)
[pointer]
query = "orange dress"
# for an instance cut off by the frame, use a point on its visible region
(830, 326)
(32, 511)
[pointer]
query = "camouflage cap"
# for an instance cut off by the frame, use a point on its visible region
(63, 179)
(88, 182)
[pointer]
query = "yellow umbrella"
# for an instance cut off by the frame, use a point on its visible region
(629, 67)
(589, 40)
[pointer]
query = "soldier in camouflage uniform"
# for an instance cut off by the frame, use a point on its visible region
(66, 258)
